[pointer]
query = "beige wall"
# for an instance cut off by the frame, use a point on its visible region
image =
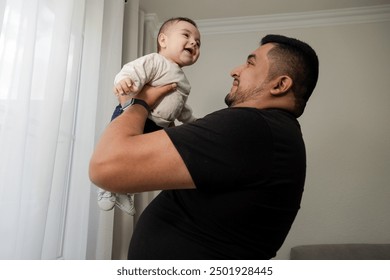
(346, 126)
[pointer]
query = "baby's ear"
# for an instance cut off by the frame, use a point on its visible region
(162, 40)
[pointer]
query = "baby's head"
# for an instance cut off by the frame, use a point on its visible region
(179, 41)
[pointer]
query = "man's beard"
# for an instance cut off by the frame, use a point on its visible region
(228, 100)
(240, 96)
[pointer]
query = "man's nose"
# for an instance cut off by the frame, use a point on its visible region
(236, 71)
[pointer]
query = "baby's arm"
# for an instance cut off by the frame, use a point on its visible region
(125, 86)
(186, 115)
(135, 74)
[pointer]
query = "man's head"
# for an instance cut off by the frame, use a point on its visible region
(281, 73)
(179, 41)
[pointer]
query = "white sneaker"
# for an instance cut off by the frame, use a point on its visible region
(125, 202)
(106, 200)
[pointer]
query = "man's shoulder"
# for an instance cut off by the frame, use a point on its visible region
(237, 117)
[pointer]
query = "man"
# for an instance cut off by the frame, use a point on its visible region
(232, 181)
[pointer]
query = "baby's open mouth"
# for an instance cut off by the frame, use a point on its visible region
(189, 50)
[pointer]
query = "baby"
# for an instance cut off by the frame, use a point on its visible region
(178, 45)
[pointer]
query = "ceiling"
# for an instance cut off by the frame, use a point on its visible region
(211, 9)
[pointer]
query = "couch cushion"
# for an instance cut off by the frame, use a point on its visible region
(341, 252)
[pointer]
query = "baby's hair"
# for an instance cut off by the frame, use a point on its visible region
(168, 23)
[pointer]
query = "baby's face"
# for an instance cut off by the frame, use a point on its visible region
(181, 43)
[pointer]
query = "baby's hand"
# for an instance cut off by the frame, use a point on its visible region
(125, 87)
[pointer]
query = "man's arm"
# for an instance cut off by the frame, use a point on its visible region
(127, 161)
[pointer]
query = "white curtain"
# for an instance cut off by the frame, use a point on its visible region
(48, 109)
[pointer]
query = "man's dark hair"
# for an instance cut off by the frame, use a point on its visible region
(297, 60)
(171, 21)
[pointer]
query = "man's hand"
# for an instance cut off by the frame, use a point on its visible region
(153, 95)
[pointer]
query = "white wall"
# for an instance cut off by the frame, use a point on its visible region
(345, 126)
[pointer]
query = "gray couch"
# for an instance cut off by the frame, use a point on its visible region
(341, 252)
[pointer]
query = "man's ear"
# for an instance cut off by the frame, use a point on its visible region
(281, 85)
(162, 40)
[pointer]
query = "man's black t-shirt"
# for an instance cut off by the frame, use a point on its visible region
(249, 169)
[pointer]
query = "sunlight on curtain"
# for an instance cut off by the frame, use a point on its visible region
(40, 54)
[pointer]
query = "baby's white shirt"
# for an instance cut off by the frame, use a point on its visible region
(156, 70)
